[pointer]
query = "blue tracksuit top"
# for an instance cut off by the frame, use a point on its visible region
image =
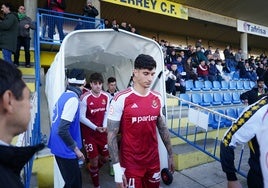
(56, 144)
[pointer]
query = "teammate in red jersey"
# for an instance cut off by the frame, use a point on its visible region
(137, 112)
(93, 109)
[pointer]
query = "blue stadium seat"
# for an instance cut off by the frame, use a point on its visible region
(236, 98)
(220, 120)
(198, 85)
(211, 121)
(217, 99)
(196, 98)
(239, 111)
(252, 84)
(206, 99)
(227, 99)
(231, 113)
(240, 85)
(224, 85)
(189, 84)
(186, 97)
(216, 85)
(232, 85)
(246, 85)
(207, 85)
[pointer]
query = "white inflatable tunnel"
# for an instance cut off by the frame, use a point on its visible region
(109, 52)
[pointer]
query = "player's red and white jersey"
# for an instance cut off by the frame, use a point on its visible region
(138, 115)
(96, 107)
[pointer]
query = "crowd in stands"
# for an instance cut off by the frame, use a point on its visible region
(195, 62)
(198, 63)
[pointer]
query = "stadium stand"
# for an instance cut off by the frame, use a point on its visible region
(227, 98)
(216, 85)
(207, 85)
(217, 99)
(224, 85)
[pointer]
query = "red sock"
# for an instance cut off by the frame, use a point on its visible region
(94, 173)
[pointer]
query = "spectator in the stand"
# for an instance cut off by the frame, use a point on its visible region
(58, 6)
(183, 57)
(213, 72)
(208, 51)
(25, 24)
(247, 72)
(260, 71)
(200, 55)
(239, 56)
(251, 96)
(265, 76)
(91, 12)
(221, 72)
(188, 68)
(155, 39)
(179, 84)
(179, 64)
(134, 30)
(198, 43)
(125, 26)
(173, 56)
(216, 55)
(107, 24)
(170, 80)
(229, 59)
(8, 31)
(114, 24)
(202, 70)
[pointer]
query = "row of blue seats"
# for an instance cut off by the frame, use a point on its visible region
(214, 99)
(215, 120)
(216, 85)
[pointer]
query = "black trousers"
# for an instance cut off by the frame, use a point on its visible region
(70, 172)
(25, 42)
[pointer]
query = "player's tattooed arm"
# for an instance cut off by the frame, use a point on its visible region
(113, 128)
(164, 133)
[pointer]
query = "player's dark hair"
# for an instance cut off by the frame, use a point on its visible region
(11, 79)
(96, 77)
(144, 61)
(111, 80)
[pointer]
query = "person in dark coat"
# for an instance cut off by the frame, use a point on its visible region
(25, 24)
(91, 12)
(15, 106)
(251, 96)
(8, 31)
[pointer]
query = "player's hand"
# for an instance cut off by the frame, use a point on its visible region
(101, 129)
(79, 154)
(234, 184)
(171, 165)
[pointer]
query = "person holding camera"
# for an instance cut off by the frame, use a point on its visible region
(91, 12)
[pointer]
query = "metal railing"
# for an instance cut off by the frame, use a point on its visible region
(54, 26)
(193, 124)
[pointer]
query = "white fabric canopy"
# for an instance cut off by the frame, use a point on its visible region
(109, 52)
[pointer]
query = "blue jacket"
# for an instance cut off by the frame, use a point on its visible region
(56, 144)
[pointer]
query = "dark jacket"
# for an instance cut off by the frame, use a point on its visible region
(12, 160)
(90, 11)
(23, 32)
(9, 32)
(251, 95)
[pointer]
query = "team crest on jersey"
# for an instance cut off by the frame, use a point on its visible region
(154, 104)
(103, 102)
